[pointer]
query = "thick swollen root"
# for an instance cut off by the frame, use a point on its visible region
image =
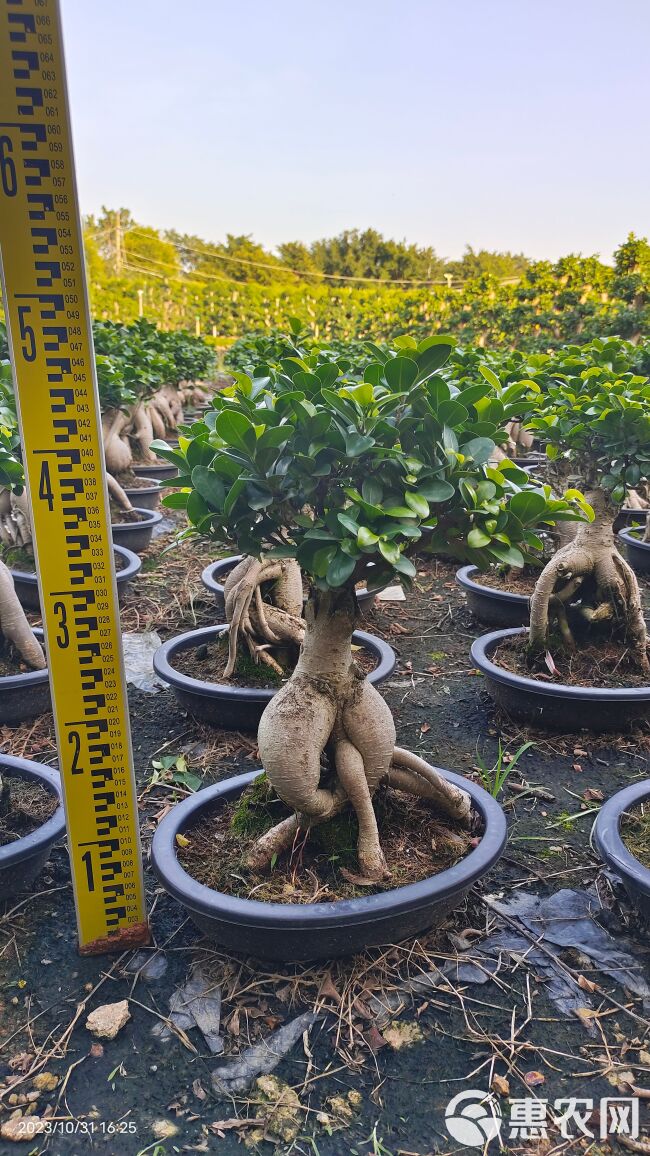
(589, 567)
(327, 705)
(14, 625)
(117, 450)
(15, 520)
(141, 432)
(257, 623)
(116, 492)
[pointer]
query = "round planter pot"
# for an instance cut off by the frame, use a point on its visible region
(24, 696)
(491, 606)
(214, 576)
(26, 583)
(21, 861)
(554, 705)
(636, 550)
(145, 497)
(530, 464)
(627, 517)
(612, 850)
(162, 472)
(285, 931)
(236, 707)
(136, 536)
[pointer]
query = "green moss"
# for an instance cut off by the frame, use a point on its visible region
(337, 839)
(17, 558)
(258, 809)
(247, 668)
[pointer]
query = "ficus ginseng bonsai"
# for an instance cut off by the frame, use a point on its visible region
(342, 475)
(597, 425)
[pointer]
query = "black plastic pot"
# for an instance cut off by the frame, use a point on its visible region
(162, 472)
(26, 583)
(636, 550)
(21, 861)
(136, 536)
(24, 696)
(491, 606)
(237, 707)
(216, 573)
(530, 464)
(145, 497)
(627, 517)
(554, 705)
(285, 931)
(612, 850)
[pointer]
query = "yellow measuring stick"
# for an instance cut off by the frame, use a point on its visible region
(48, 316)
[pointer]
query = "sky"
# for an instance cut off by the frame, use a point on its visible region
(502, 124)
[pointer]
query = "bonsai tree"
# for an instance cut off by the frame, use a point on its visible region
(342, 473)
(597, 424)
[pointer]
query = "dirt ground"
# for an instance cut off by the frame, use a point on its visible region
(139, 1093)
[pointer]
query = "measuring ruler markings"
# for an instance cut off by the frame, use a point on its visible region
(48, 316)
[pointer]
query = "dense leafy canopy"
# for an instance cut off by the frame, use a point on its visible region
(342, 467)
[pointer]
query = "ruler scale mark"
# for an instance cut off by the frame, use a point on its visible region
(51, 342)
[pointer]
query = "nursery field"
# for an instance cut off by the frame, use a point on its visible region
(405, 1053)
(409, 937)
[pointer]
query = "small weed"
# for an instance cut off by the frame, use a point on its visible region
(493, 778)
(172, 770)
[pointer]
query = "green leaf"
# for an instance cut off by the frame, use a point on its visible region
(451, 413)
(478, 449)
(372, 491)
(340, 569)
(177, 500)
(432, 358)
(356, 444)
(417, 503)
(389, 551)
(365, 537)
(209, 486)
(477, 538)
(436, 491)
(527, 506)
(490, 377)
(509, 555)
(236, 430)
(400, 373)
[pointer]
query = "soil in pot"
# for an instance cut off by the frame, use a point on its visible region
(11, 663)
(635, 832)
(131, 481)
(208, 663)
(324, 867)
(17, 558)
(602, 664)
(120, 516)
(27, 805)
(514, 582)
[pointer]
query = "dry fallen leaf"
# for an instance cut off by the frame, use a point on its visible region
(587, 984)
(593, 795)
(500, 1085)
(182, 841)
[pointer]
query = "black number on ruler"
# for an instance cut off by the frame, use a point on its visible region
(7, 167)
(27, 334)
(87, 860)
(75, 738)
(45, 492)
(63, 637)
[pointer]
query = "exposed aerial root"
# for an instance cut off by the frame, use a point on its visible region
(257, 623)
(14, 625)
(118, 495)
(591, 571)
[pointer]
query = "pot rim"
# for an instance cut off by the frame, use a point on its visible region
(152, 489)
(628, 536)
(26, 678)
(208, 575)
(318, 916)
(133, 566)
(163, 657)
(464, 579)
(11, 854)
(151, 517)
(594, 694)
(607, 839)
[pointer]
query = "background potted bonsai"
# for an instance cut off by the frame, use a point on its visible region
(338, 473)
(591, 668)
